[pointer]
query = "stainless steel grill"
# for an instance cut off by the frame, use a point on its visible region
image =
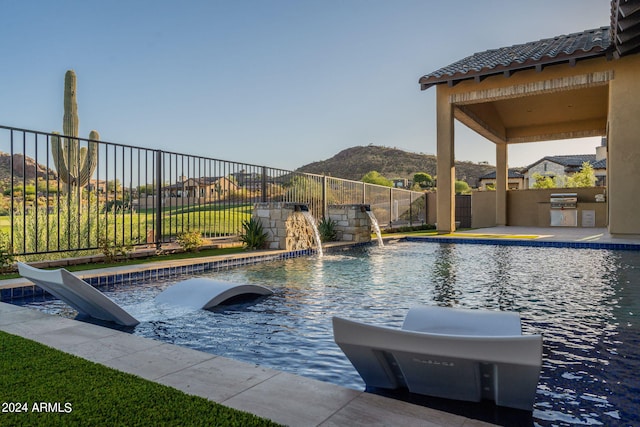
(564, 201)
(564, 210)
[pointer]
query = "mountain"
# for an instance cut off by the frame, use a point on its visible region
(353, 163)
(23, 167)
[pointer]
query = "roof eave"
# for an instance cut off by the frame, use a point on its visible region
(507, 71)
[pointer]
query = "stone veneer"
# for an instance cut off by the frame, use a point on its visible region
(287, 228)
(352, 222)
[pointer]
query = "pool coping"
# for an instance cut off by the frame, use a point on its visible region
(533, 242)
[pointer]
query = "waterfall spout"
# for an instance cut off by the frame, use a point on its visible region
(316, 234)
(376, 227)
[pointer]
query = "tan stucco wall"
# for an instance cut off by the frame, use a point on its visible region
(483, 209)
(530, 208)
(623, 176)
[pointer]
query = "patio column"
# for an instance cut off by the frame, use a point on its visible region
(502, 178)
(445, 168)
(623, 157)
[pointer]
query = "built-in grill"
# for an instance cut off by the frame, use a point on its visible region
(564, 209)
(564, 201)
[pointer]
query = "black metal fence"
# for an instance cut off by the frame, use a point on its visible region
(73, 195)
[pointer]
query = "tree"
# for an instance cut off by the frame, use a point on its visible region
(114, 185)
(541, 181)
(462, 187)
(374, 177)
(148, 189)
(585, 178)
(424, 180)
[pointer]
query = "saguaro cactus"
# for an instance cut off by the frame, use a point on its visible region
(75, 164)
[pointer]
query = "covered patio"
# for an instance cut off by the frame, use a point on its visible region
(570, 86)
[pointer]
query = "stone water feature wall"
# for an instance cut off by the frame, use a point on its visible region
(353, 223)
(286, 225)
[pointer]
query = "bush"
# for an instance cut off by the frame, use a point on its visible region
(68, 226)
(72, 224)
(327, 230)
(190, 241)
(406, 229)
(253, 235)
(6, 252)
(112, 251)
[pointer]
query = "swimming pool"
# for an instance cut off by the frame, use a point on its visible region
(585, 303)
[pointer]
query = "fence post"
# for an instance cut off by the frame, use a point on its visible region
(324, 196)
(263, 186)
(364, 193)
(426, 208)
(410, 209)
(390, 207)
(158, 234)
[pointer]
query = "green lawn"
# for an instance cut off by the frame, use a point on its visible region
(5, 223)
(211, 220)
(84, 393)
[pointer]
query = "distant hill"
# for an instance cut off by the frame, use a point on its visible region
(354, 162)
(22, 168)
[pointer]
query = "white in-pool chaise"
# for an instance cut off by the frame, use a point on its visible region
(80, 295)
(197, 293)
(203, 293)
(446, 352)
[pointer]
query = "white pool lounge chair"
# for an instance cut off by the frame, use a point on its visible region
(206, 293)
(451, 353)
(80, 295)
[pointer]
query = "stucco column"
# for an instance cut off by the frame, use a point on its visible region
(445, 167)
(502, 177)
(623, 185)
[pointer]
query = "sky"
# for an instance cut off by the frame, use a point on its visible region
(280, 83)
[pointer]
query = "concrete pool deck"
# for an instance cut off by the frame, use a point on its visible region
(552, 234)
(285, 398)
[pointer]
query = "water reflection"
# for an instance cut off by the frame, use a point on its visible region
(443, 276)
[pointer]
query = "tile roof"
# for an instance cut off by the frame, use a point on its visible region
(573, 162)
(625, 26)
(512, 174)
(565, 48)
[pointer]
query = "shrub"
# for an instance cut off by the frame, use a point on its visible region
(70, 225)
(190, 241)
(406, 229)
(253, 235)
(6, 252)
(111, 250)
(327, 230)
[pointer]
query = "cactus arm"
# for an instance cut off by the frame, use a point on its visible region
(59, 158)
(90, 160)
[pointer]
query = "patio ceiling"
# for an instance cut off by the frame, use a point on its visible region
(549, 116)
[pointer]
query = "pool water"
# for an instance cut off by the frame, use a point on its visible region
(584, 302)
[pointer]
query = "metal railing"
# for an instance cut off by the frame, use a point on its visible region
(141, 196)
